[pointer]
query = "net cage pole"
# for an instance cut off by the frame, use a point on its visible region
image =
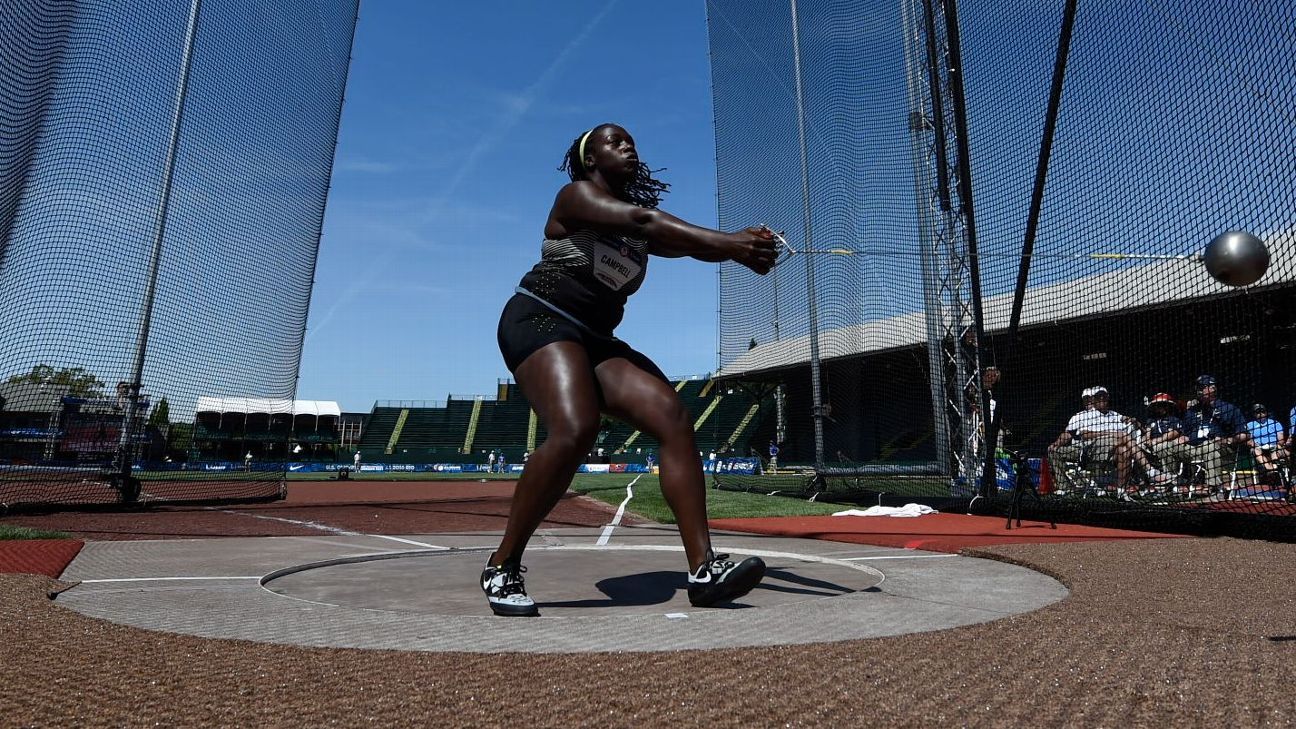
(126, 447)
(808, 243)
(974, 388)
(920, 124)
(959, 343)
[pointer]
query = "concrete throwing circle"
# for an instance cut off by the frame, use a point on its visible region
(356, 591)
(574, 581)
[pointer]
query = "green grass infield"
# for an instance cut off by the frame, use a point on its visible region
(8, 531)
(648, 501)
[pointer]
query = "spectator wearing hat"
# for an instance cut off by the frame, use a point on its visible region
(1163, 428)
(1213, 430)
(1163, 422)
(1066, 449)
(1086, 398)
(1266, 437)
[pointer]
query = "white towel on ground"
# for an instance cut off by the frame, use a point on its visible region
(906, 510)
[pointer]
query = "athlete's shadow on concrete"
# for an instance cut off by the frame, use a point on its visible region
(656, 588)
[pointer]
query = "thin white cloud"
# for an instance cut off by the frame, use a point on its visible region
(517, 107)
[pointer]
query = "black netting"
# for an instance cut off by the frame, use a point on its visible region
(165, 167)
(897, 149)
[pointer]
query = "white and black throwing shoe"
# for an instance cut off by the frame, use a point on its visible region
(506, 590)
(718, 580)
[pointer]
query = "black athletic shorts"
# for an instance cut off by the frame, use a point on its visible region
(527, 325)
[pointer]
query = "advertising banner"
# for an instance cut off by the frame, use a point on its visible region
(745, 466)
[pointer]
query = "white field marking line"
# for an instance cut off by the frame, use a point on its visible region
(165, 579)
(433, 547)
(863, 549)
(334, 530)
(620, 512)
(901, 556)
(298, 522)
(623, 548)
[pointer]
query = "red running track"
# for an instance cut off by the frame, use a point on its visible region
(315, 507)
(935, 532)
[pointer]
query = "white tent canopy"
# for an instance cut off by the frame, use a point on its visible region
(269, 405)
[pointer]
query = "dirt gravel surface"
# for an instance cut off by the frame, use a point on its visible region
(1156, 633)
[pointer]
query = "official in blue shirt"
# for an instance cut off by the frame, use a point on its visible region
(1213, 430)
(1266, 438)
(1213, 419)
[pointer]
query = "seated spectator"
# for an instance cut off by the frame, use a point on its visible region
(1212, 431)
(1099, 433)
(1266, 438)
(1163, 426)
(1086, 398)
(1065, 449)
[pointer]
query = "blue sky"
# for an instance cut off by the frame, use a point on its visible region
(457, 115)
(456, 118)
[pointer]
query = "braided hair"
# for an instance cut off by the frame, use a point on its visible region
(643, 189)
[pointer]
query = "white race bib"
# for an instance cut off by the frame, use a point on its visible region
(616, 267)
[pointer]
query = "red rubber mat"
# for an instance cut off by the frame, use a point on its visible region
(37, 556)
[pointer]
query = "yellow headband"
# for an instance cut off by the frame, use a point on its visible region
(584, 138)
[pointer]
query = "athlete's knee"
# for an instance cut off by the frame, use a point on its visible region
(573, 435)
(670, 419)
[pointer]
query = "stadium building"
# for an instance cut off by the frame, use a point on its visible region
(1114, 329)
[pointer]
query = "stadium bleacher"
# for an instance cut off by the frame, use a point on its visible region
(727, 420)
(378, 430)
(503, 425)
(720, 431)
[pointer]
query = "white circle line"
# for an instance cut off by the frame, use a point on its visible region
(269, 577)
(165, 579)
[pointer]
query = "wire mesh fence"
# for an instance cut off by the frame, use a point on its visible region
(1000, 212)
(165, 166)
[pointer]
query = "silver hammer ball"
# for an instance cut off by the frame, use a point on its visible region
(1236, 258)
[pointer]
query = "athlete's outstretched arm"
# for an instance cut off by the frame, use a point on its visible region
(585, 205)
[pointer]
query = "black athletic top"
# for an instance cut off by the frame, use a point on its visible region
(587, 277)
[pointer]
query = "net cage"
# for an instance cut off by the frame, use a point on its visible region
(1002, 207)
(164, 166)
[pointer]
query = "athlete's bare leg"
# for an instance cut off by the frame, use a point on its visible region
(648, 402)
(559, 383)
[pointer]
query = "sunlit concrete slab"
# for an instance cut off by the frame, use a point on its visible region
(597, 591)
